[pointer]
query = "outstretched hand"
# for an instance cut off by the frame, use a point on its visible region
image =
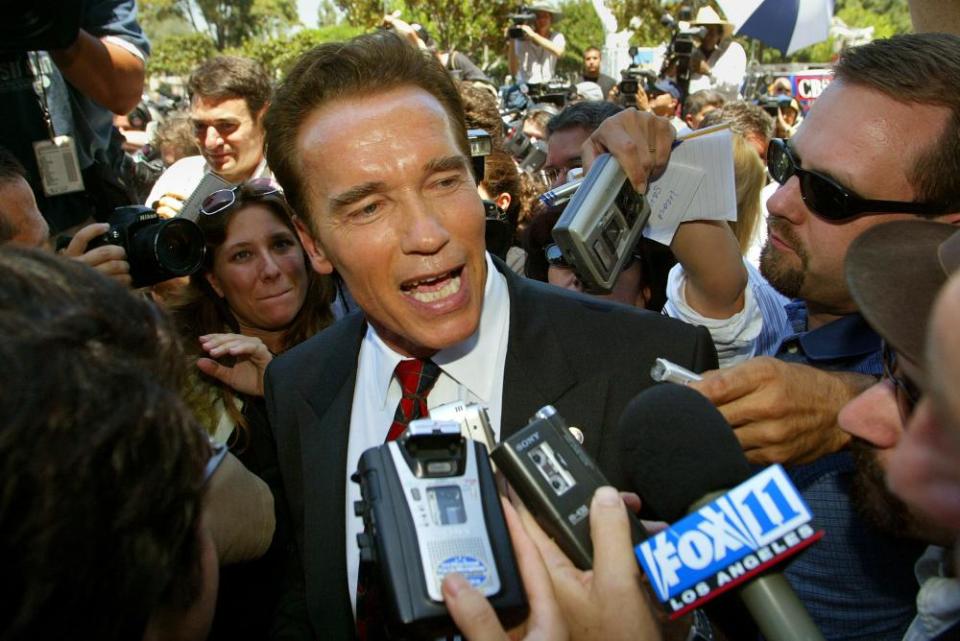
(246, 374)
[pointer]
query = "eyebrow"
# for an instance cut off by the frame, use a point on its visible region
(361, 191)
(799, 159)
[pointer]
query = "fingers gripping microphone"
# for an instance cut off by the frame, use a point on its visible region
(681, 457)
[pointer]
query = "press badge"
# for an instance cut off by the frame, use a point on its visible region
(59, 165)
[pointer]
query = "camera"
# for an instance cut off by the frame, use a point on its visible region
(632, 79)
(681, 48)
(430, 507)
(556, 479)
(523, 15)
(601, 225)
(157, 249)
(530, 154)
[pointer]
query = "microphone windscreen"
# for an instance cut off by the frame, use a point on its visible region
(676, 448)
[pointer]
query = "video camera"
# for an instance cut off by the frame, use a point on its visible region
(631, 80)
(601, 225)
(680, 50)
(773, 104)
(523, 15)
(431, 507)
(157, 249)
(530, 154)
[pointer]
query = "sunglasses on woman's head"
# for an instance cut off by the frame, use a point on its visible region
(223, 199)
(827, 198)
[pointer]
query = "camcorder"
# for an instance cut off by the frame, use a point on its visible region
(681, 48)
(772, 104)
(530, 154)
(601, 225)
(157, 249)
(430, 507)
(554, 92)
(556, 480)
(632, 80)
(521, 16)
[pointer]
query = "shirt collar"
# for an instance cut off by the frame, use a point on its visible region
(469, 362)
(847, 337)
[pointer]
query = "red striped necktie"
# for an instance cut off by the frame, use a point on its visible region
(416, 377)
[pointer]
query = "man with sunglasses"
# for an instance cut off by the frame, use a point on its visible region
(229, 96)
(870, 152)
(906, 443)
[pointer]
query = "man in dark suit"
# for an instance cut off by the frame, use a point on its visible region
(368, 140)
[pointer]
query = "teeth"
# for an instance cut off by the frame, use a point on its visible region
(451, 288)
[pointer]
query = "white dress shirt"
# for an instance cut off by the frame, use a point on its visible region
(469, 371)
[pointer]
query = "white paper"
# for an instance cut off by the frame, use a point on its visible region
(698, 184)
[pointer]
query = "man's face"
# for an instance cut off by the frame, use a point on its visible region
(925, 467)
(694, 120)
(397, 215)
(230, 137)
(873, 419)
(866, 142)
(19, 209)
(563, 152)
(713, 37)
(543, 22)
(591, 62)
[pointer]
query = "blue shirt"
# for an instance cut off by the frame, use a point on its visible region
(857, 582)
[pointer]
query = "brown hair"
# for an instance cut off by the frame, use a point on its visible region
(198, 310)
(176, 130)
(917, 68)
(226, 77)
(501, 176)
(481, 111)
(366, 65)
(745, 118)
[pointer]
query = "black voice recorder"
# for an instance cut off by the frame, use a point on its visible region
(430, 507)
(556, 479)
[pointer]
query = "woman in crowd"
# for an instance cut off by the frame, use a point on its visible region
(254, 297)
(714, 285)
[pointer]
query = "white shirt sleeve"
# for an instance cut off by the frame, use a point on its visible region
(735, 337)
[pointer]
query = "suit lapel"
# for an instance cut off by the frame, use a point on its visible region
(537, 371)
(324, 419)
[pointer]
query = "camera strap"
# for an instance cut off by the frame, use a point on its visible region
(57, 159)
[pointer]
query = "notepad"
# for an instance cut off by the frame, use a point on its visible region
(698, 184)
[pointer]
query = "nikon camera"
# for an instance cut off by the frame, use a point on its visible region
(157, 249)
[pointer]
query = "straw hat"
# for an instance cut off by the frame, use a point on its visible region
(550, 7)
(707, 16)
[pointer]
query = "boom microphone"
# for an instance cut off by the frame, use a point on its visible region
(682, 457)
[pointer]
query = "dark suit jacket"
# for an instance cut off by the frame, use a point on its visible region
(586, 357)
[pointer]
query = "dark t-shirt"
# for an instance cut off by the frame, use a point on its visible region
(72, 113)
(606, 83)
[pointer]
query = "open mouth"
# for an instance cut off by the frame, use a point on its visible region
(431, 289)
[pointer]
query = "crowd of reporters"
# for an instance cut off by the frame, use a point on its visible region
(142, 465)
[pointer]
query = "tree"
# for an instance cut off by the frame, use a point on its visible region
(228, 22)
(179, 55)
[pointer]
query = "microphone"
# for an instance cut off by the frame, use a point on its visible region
(681, 456)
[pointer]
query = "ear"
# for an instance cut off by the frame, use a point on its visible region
(644, 297)
(318, 257)
(503, 201)
(214, 282)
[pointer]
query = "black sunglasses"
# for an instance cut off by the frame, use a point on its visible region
(906, 391)
(223, 199)
(827, 198)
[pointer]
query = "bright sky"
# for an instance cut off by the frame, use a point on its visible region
(308, 12)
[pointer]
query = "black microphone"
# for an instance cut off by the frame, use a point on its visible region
(679, 454)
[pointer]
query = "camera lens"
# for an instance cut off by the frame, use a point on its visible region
(179, 246)
(536, 458)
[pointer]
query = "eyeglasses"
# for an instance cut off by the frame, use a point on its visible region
(906, 391)
(223, 199)
(827, 198)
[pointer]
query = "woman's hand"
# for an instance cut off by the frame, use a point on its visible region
(252, 358)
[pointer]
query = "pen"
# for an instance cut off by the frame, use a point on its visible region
(700, 132)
